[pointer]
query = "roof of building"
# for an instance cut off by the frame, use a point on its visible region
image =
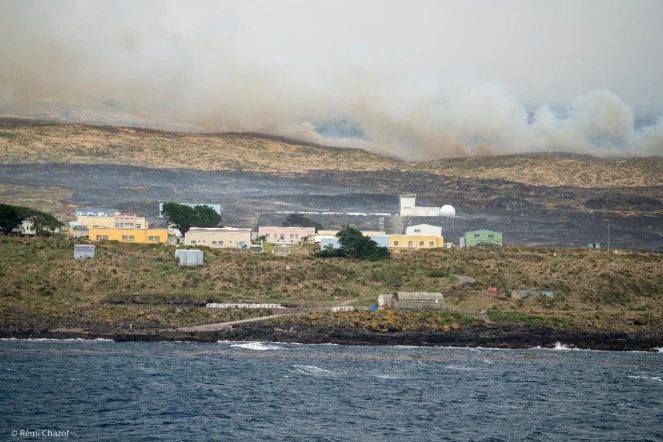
(220, 229)
(482, 230)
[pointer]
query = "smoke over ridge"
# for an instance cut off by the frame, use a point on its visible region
(297, 69)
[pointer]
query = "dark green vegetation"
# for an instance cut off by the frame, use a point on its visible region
(184, 217)
(355, 245)
(42, 222)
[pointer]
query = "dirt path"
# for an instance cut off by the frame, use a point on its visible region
(225, 325)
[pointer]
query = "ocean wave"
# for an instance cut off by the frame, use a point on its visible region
(312, 370)
(257, 346)
(652, 378)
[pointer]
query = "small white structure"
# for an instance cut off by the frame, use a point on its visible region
(242, 305)
(190, 258)
(448, 211)
(83, 251)
(409, 207)
(424, 230)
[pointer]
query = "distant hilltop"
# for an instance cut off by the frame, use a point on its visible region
(31, 141)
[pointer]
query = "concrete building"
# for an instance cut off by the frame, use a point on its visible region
(415, 241)
(412, 301)
(424, 230)
(218, 237)
(141, 236)
(286, 234)
(409, 207)
(96, 212)
(102, 219)
(481, 238)
(25, 229)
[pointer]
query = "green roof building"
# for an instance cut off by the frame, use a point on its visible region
(483, 238)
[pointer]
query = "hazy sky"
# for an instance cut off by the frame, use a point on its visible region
(420, 78)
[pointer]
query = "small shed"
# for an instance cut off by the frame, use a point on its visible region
(413, 301)
(190, 258)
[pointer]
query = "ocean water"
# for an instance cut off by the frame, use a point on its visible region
(101, 390)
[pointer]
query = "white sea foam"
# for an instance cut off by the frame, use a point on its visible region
(459, 368)
(311, 369)
(652, 378)
(257, 346)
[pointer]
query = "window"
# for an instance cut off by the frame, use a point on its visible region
(214, 243)
(431, 244)
(125, 237)
(477, 235)
(98, 237)
(157, 238)
(131, 237)
(409, 243)
(267, 235)
(138, 226)
(297, 235)
(490, 235)
(105, 237)
(193, 242)
(421, 243)
(150, 238)
(417, 230)
(292, 236)
(395, 243)
(220, 243)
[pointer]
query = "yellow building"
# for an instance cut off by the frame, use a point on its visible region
(142, 236)
(415, 241)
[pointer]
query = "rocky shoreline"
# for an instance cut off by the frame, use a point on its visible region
(506, 336)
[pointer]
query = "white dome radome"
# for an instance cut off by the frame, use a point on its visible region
(447, 211)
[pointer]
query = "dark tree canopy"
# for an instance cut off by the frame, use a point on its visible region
(44, 222)
(355, 245)
(183, 217)
(299, 220)
(12, 216)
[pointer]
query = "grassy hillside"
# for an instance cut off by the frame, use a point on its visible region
(555, 170)
(25, 141)
(141, 284)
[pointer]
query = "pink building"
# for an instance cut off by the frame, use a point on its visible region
(286, 234)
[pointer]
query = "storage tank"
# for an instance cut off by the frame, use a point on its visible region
(180, 256)
(194, 257)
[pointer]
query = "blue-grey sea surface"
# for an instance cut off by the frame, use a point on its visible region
(101, 390)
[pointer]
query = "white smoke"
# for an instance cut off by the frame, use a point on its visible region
(292, 69)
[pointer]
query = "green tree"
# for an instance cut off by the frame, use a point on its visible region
(44, 222)
(354, 245)
(183, 217)
(205, 216)
(12, 216)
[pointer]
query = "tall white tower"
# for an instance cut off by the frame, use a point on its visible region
(407, 204)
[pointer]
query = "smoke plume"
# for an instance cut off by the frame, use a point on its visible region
(417, 82)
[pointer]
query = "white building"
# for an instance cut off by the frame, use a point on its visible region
(424, 230)
(409, 207)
